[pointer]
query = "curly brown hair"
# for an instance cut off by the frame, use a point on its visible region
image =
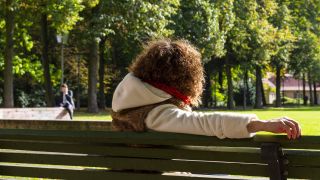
(175, 63)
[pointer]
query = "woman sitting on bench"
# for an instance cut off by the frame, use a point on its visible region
(165, 81)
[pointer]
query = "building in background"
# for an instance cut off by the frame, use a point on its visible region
(290, 87)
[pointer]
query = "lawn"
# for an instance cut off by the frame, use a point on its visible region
(308, 117)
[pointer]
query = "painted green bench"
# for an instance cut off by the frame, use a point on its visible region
(90, 150)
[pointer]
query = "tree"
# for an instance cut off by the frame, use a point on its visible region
(59, 16)
(9, 54)
(307, 30)
(249, 42)
(102, 62)
(282, 45)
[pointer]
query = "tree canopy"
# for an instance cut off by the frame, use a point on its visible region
(239, 40)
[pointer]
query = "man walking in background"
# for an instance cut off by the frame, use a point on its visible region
(66, 99)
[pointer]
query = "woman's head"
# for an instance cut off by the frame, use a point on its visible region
(174, 63)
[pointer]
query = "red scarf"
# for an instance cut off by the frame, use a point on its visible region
(170, 90)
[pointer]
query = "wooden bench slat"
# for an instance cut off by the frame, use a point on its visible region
(156, 138)
(304, 142)
(89, 174)
(304, 172)
(303, 158)
(121, 137)
(194, 153)
(138, 163)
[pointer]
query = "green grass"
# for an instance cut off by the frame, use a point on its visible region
(308, 117)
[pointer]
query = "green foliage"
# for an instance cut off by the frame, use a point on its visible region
(125, 24)
(246, 33)
(283, 39)
(306, 26)
(306, 51)
(254, 44)
(34, 99)
(205, 24)
(62, 15)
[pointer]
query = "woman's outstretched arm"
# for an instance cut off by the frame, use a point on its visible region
(280, 125)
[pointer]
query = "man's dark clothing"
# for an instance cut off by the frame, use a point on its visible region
(66, 101)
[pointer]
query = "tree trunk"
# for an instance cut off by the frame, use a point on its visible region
(9, 53)
(78, 82)
(92, 79)
(264, 101)
(310, 89)
(298, 96)
(258, 100)
(230, 104)
(245, 79)
(207, 90)
(278, 87)
(215, 91)
(220, 80)
(304, 96)
(245, 88)
(45, 60)
(315, 93)
(102, 101)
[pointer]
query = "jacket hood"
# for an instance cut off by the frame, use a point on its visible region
(131, 92)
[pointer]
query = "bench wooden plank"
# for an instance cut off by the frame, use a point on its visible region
(88, 174)
(192, 153)
(303, 157)
(304, 172)
(138, 163)
(304, 142)
(156, 138)
(153, 138)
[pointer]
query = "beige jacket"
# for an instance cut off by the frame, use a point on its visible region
(132, 92)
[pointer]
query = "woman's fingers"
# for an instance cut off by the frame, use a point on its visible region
(287, 129)
(296, 124)
(283, 125)
(293, 129)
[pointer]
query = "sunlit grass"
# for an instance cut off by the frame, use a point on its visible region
(308, 117)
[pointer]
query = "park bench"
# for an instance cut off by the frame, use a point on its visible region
(34, 113)
(91, 150)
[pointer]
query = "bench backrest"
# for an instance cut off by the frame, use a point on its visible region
(34, 113)
(89, 150)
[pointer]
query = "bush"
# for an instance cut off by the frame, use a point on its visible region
(250, 95)
(290, 101)
(33, 99)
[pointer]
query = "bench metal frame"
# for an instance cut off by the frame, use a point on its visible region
(273, 155)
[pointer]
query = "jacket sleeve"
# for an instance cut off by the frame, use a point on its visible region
(169, 118)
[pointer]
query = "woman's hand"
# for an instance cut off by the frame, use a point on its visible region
(279, 125)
